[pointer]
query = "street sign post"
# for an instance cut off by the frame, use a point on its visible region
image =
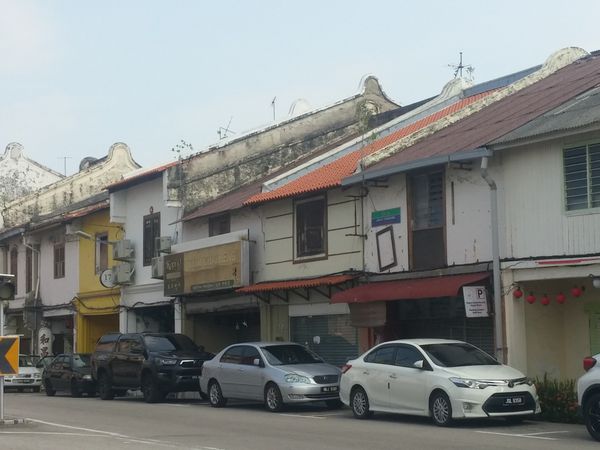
(9, 346)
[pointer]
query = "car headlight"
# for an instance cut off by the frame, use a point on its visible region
(9, 377)
(37, 375)
(295, 378)
(166, 361)
(87, 377)
(472, 384)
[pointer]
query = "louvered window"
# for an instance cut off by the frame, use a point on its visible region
(582, 177)
(151, 232)
(311, 227)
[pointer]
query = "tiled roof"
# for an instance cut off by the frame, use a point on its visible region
(331, 175)
(140, 177)
(499, 118)
(295, 284)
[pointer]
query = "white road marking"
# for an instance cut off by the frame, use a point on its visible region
(54, 432)
(302, 415)
(546, 432)
(528, 436)
(118, 435)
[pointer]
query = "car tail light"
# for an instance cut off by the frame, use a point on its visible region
(588, 363)
(346, 368)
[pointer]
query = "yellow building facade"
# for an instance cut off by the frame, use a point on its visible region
(97, 306)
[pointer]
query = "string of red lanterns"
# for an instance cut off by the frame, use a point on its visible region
(561, 298)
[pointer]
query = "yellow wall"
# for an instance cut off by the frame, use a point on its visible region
(97, 306)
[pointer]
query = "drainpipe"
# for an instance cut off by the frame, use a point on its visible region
(498, 323)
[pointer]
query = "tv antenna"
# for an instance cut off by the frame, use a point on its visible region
(273, 106)
(64, 158)
(224, 132)
(458, 69)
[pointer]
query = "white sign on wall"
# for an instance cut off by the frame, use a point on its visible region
(476, 304)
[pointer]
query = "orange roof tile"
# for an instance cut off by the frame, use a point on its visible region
(295, 284)
(331, 175)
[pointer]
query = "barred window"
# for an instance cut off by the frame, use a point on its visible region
(582, 177)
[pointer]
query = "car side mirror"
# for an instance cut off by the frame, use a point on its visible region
(419, 364)
(258, 362)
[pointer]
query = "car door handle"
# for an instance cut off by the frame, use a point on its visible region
(393, 376)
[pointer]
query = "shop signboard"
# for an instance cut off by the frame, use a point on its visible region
(218, 267)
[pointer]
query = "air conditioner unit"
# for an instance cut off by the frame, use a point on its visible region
(158, 267)
(122, 273)
(122, 250)
(163, 244)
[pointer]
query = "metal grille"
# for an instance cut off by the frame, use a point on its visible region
(497, 403)
(326, 379)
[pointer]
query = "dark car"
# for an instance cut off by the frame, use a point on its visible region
(70, 373)
(155, 363)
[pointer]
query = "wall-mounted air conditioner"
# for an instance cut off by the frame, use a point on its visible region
(122, 273)
(122, 250)
(158, 267)
(163, 244)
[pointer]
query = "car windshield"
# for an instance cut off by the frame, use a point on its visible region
(279, 355)
(81, 361)
(169, 343)
(25, 361)
(458, 354)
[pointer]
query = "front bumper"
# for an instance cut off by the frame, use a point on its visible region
(498, 401)
(305, 393)
(178, 382)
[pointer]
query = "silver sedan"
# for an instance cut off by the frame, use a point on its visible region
(277, 373)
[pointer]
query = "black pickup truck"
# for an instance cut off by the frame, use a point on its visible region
(155, 363)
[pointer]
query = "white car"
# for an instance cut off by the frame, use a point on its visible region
(29, 376)
(588, 395)
(441, 378)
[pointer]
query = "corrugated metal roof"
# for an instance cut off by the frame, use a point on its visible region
(295, 284)
(579, 112)
(331, 174)
(499, 118)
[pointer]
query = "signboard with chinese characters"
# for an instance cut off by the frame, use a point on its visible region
(207, 269)
(476, 304)
(45, 341)
(385, 217)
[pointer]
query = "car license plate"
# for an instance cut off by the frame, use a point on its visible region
(511, 401)
(329, 389)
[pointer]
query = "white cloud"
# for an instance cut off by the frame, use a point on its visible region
(27, 37)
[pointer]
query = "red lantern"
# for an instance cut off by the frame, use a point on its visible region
(530, 298)
(545, 300)
(517, 293)
(560, 298)
(576, 292)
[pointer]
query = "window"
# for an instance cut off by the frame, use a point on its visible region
(250, 354)
(59, 260)
(311, 227)
(101, 252)
(28, 269)
(383, 355)
(233, 355)
(407, 356)
(428, 248)
(219, 225)
(14, 264)
(582, 177)
(151, 232)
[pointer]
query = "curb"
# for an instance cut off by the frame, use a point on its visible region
(13, 421)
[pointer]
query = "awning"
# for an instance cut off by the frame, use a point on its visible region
(295, 284)
(442, 286)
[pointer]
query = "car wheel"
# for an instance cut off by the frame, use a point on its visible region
(215, 395)
(359, 402)
(334, 404)
(273, 398)
(591, 416)
(441, 409)
(48, 387)
(75, 389)
(151, 391)
(104, 387)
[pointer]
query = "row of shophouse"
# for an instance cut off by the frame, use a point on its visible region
(472, 215)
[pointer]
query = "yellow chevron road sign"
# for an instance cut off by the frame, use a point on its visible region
(9, 355)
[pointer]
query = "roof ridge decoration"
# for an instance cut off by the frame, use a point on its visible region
(555, 61)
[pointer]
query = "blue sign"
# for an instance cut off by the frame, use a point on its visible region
(385, 217)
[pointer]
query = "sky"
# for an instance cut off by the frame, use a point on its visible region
(77, 76)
